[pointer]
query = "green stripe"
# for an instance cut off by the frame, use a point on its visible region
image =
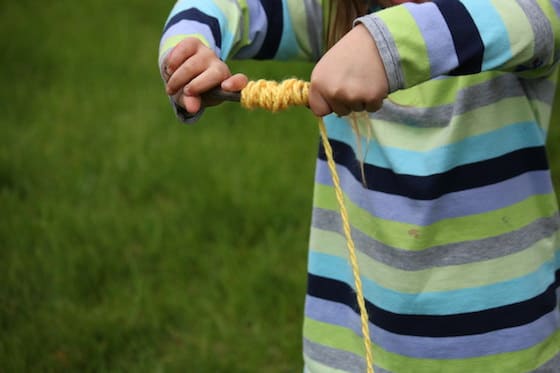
(333, 336)
(298, 16)
(543, 111)
(237, 22)
(315, 366)
(230, 10)
(445, 278)
(172, 41)
(519, 361)
(246, 27)
(481, 120)
(415, 238)
(439, 92)
(414, 58)
(516, 24)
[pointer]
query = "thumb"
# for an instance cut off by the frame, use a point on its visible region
(192, 104)
(317, 103)
(235, 83)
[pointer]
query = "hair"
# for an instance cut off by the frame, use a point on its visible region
(341, 14)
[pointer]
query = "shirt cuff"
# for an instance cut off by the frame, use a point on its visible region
(183, 115)
(387, 50)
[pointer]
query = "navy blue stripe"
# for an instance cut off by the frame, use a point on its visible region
(440, 326)
(472, 175)
(468, 43)
(275, 17)
(193, 14)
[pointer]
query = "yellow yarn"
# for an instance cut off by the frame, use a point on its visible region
(274, 96)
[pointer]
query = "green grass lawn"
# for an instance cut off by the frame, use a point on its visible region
(129, 242)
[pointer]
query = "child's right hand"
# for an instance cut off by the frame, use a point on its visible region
(192, 69)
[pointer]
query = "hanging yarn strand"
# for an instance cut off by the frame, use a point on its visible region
(274, 96)
(350, 245)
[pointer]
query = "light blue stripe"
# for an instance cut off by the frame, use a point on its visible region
(473, 149)
(438, 303)
(205, 6)
(461, 347)
(493, 32)
(556, 5)
(288, 48)
(209, 8)
(452, 205)
(437, 37)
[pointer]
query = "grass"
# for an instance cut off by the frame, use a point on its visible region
(129, 242)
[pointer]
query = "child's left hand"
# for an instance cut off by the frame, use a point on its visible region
(350, 77)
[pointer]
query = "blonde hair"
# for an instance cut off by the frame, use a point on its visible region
(341, 15)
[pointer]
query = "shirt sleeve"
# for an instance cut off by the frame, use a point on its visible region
(246, 29)
(419, 42)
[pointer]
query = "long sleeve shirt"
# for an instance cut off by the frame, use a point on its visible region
(448, 187)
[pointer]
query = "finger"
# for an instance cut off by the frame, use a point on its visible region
(235, 83)
(180, 53)
(178, 99)
(192, 104)
(318, 105)
(340, 109)
(165, 72)
(372, 107)
(207, 80)
(185, 73)
(357, 106)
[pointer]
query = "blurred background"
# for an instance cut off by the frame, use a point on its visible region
(128, 241)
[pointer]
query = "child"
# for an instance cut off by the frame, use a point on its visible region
(448, 187)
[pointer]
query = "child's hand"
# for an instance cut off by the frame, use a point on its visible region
(192, 69)
(349, 77)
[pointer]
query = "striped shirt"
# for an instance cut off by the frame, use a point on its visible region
(448, 187)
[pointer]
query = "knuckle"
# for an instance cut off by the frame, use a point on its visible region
(374, 106)
(344, 94)
(219, 70)
(178, 99)
(205, 51)
(171, 63)
(317, 82)
(194, 65)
